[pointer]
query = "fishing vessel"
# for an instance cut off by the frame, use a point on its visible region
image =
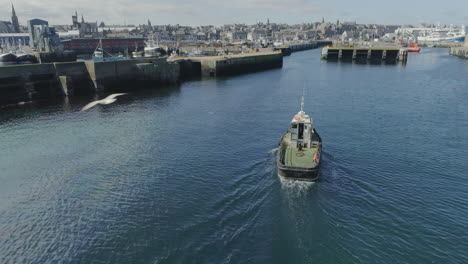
(99, 56)
(25, 58)
(152, 48)
(300, 149)
(137, 54)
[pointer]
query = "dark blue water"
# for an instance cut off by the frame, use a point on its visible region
(187, 174)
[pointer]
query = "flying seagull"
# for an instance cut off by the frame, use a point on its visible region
(108, 100)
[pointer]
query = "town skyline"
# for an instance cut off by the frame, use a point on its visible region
(209, 12)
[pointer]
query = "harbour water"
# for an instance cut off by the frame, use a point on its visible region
(187, 174)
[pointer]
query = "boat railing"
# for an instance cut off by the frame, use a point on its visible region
(282, 152)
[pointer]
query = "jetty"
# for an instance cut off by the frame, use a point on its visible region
(363, 54)
(294, 47)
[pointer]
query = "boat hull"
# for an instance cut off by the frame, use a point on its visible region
(298, 173)
(414, 49)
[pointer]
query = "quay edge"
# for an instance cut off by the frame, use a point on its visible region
(25, 83)
(232, 64)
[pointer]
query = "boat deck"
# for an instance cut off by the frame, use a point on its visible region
(296, 158)
(301, 159)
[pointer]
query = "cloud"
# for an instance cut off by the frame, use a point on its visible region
(161, 11)
(117, 11)
(288, 6)
(217, 12)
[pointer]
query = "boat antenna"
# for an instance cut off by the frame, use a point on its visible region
(302, 104)
(302, 100)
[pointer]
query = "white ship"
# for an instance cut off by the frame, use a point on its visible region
(442, 34)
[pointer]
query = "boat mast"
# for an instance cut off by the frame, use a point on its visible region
(302, 100)
(302, 104)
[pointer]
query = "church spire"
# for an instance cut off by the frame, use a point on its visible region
(14, 20)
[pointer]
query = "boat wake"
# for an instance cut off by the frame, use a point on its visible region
(290, 186)
(273, 152)
(296, 187)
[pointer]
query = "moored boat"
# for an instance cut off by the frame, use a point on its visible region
(152, 48)
(7, 59)
(300, 149)
(137, 54)
(26, 59)
(99, 56)
(414, 47)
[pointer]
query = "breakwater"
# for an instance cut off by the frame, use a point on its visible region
(23, 83)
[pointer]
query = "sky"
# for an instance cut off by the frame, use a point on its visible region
(218, 12)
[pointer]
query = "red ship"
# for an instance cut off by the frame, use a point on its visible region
(413, 47)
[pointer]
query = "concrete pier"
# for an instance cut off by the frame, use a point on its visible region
(365, 54)
(233, 64)
(290, 48)
(118, 75)
(22, 83)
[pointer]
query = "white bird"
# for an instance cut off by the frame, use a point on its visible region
(108, 100)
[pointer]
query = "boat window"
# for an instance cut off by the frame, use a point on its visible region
(294, 126)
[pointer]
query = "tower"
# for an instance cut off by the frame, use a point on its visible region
(75, 19)
(14, 20)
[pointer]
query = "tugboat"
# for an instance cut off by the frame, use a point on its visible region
(300, 149)
(413, 47)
